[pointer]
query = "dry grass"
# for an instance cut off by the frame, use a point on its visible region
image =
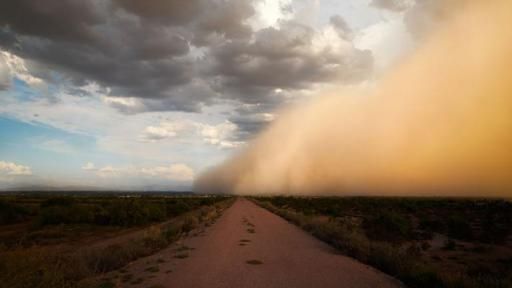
(71, 266)
(401, 261)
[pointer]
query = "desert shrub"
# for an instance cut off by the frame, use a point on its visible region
(65, 214)
(431, 224)
(459, 228)
(388, 226)
(32, 268)
(496, 225)
(422, 277)
(58, 201)
(449, 244)
(11, 213)
(109, 258)
(172, 231)
(117, 212)
(131, 212)
(189, 223)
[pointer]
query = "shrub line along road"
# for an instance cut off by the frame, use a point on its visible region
(251, 247)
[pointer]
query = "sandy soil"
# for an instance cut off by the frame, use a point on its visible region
(251, 247)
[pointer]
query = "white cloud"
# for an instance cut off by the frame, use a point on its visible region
(124, 104)
(89, 166)
(166, 129)
(12, 169)
(220, 134)
(18, 69)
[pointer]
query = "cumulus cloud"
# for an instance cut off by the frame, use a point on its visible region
(221, 135)
(165, 130)
(292, 56)
(13, 169)
(225, 134)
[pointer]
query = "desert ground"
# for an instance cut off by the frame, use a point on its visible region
(164, 240)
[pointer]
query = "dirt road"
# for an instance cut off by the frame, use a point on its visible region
(251, 247)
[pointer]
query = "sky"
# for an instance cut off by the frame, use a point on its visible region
(146, 95)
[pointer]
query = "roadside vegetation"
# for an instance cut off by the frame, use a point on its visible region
(421, 241)
(63, 241)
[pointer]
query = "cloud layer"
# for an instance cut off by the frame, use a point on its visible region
(174, 55)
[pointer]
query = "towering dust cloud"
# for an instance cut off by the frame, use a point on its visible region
(439, 124)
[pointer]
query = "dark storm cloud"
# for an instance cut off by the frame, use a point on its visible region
(137, 48)
(205, 19)
(249, 124)
(173, 54)
(70, 20)
(284, 58)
